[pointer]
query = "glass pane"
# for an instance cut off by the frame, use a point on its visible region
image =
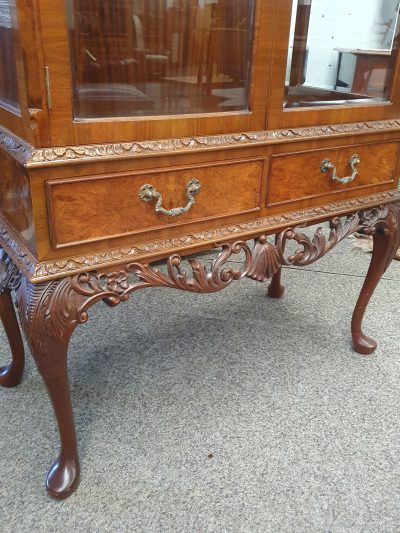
(8, 71)
(341, 51)
(160, 57)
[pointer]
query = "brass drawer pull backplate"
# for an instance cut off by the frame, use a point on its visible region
(148, 192)
(327, 165)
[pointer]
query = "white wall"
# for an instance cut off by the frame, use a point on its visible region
(343, 24)
(340, 24)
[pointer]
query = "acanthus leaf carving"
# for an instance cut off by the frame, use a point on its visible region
(30, 156)
(50, 311)
(138, 148)
(59, 267)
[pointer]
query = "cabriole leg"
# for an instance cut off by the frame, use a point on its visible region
(63, 476)
(386, 238)
(49, 315)
(11, 374)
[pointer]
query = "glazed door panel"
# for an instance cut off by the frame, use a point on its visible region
(134, 70)
(342, 62)
(9, 94)
(14, 102)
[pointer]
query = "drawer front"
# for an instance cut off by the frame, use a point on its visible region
(102, 207)
(298, 176)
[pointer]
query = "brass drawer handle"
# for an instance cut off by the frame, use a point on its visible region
(148, 192)
(326, 165)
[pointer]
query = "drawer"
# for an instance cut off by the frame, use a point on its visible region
(108, 206)
(298, 176)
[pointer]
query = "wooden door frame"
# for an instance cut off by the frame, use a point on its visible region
(66, 130)
(279, 117)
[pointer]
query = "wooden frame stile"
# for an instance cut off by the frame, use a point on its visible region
(34, 76)
(29, 121)
(12, 118)
(278, 117)
(67, 130)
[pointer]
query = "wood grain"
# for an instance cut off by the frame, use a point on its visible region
(298, 176)
(104, 207)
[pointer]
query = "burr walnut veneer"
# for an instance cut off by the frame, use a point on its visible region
(131, 135)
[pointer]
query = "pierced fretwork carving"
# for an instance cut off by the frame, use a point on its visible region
(10, 276)
(269, 258)
(50, 311)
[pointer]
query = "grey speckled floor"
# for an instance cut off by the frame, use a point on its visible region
(304, 433)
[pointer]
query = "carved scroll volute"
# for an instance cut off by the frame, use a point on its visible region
(10, 275)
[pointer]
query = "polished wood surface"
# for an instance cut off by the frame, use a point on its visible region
(15, 198)
(295, 117)
(73, 229)
(298, 176)
(80, 209)
(67, 131)
(386, 243)
(11, 374)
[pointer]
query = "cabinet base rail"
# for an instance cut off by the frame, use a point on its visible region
(50, 311)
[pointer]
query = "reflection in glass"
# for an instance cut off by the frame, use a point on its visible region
(159, 57)
(341, 51)
(8, 71)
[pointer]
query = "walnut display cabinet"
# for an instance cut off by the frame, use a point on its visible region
(135, 131)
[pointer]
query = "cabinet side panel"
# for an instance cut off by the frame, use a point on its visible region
(15, 199)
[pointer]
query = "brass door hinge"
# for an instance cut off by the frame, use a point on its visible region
(47, 81)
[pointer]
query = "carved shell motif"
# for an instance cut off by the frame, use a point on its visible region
(266, 260)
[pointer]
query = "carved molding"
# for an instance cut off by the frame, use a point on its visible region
(32, 157)
(38, 271)
(50, 269)
(10, 275)
(14, 146)
(131, 149)
(50, 311)
(19, 253)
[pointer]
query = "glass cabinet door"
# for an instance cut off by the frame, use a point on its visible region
(341, 54)
(135, 58)
(157, 68)
(8, 71)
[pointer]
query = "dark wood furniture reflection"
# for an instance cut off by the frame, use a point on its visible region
(93, 190)
(370, 70)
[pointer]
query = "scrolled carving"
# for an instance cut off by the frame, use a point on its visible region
(69, 266)
(312, 249)
(268, 258)
(137, 148)
(31, 157)
(50, 311)
(10, 275)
